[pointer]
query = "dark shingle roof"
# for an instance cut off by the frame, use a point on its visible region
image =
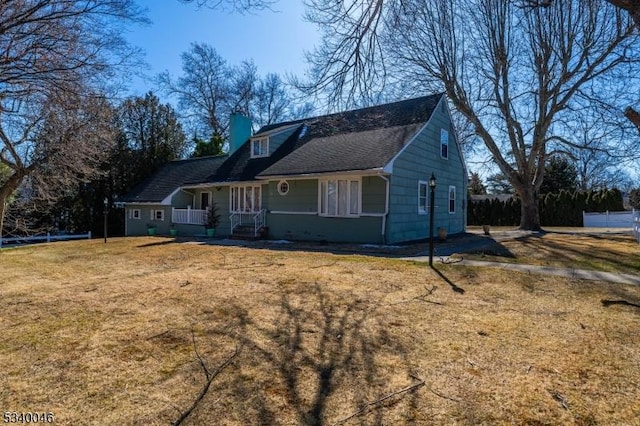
(171, 176)
(353, 140)
(361, 139)
(346, 151)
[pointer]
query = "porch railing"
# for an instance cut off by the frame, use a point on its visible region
(188, 216)
(257, 219)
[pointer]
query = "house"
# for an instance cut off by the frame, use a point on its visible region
(355, 176)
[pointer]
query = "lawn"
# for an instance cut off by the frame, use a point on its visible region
(119, 333)
(603, 250)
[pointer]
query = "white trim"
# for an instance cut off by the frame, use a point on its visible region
(455, 199)
(303, 176)
(132, 214)
(371, 215)
(389, 167)
(426, 210)
(277, 130)
(253, 185)
(200, 199)
(292, 213)
(283, 181)
(386, 208)
(442, 132)
(337, 178)
(260, 140)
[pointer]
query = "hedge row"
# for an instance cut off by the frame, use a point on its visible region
(561, 209)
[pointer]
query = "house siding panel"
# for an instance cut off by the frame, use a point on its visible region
(374, 192)
(302, 196)
(415, 163)
(182, 199)
(316, 228)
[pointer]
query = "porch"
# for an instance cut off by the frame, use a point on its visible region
(188, 216)
(243, 224)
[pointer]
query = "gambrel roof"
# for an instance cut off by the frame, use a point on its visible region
(361, 139)
(357, 140)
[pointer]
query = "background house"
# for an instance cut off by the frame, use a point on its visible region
(356, 176)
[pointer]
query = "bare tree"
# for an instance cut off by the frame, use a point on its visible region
(240, 6)
(209, 90)
(633, 8)
(203, 90)
(56, 54)
(511, 71)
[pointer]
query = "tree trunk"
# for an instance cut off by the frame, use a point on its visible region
(529, 210)
(633, 116)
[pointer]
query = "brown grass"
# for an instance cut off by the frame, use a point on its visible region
(571, 248)
(102, 334)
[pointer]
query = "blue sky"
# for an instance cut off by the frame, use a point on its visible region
(275, 40)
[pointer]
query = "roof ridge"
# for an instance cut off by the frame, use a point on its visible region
(206, 157)
(351, 111)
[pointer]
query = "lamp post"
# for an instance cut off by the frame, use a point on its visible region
(432, 185)
(105, 211)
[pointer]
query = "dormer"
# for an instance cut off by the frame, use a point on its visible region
(266, 142)
(260, 147)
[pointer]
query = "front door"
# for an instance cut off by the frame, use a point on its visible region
(204, 200)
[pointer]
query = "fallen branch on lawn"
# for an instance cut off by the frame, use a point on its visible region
(380, 400)
(209, 375)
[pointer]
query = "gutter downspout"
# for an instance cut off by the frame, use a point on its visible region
(386, 209)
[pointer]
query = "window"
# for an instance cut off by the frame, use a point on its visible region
(444, 143)
(135, 214)
(423, 197)
(283, 187)
(157, 214)
(259, 147)
(246, 199)
(339, 197)
(452, 199)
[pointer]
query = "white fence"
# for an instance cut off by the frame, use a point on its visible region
(609, 219)
(636, 226)
(48, 238)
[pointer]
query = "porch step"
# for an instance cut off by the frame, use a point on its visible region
(245, 232)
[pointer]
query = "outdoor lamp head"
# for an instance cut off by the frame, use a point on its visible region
(432, 181)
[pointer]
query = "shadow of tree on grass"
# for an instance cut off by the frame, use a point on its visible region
(320, 360)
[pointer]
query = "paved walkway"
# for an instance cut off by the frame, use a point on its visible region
(583, 274)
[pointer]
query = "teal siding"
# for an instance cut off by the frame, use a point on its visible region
(302, 196)
(316, 228)
(139, 226)
(415, 163)
(183, 199)
(374, 193)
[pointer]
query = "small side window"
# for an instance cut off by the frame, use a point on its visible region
(452, 199)
(135, 213)
(159, 215)
(444, 143)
